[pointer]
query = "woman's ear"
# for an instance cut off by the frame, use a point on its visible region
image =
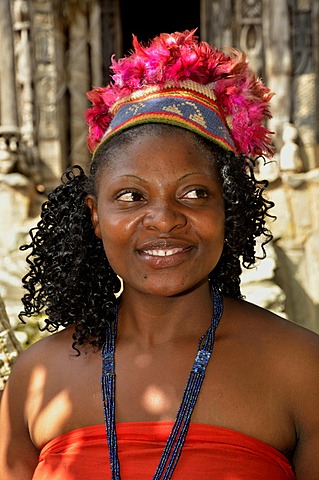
(91, 203)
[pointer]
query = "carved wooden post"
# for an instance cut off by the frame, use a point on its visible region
(9, 113)
(95, 42)
(79, 82)
(51, 131)
(9, 129)
(278, 62)
(216, 22)
(24, 81)
(305, 80)
(249, 32)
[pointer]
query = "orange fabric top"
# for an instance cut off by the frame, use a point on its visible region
(209, 452)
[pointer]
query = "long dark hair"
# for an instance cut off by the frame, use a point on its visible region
(70, 279)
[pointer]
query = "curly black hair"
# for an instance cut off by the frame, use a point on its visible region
(69, 277)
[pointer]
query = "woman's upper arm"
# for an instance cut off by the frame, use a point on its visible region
(306, 458)
(18, 455)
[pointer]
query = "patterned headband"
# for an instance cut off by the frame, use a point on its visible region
(180, 81)
(181, 106)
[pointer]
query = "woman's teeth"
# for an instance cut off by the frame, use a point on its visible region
(162, 253)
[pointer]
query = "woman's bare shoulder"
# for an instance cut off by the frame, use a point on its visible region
(266, 322)
(292, 349)
(43, 351)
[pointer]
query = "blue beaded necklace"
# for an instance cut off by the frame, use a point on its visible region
(177, 436)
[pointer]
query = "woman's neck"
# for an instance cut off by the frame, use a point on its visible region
(154, 319)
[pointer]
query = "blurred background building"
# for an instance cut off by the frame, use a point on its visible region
(53, 51)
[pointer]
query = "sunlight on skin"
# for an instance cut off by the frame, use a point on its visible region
(36, 390)
(56, 411)
(155, 401)
(59, 409)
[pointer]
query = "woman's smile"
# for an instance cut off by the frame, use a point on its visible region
(165, 254)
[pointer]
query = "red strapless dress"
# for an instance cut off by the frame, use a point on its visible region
(209, 453)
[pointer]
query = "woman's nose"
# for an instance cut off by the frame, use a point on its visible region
(164, 216)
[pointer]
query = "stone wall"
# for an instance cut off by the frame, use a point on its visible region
(296, 243)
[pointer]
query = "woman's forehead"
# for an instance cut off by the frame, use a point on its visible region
(149, 136)
(170, 147)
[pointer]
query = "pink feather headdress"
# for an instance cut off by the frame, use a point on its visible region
(180, 59)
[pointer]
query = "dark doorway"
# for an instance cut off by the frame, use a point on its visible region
(147, 18)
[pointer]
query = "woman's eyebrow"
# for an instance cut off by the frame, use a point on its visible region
(135, 177)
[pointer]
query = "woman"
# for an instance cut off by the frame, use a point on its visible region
(140, 261)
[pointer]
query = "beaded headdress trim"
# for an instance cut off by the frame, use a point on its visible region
(190, 106)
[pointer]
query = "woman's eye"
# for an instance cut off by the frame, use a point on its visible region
(129, 196)
(196, 193)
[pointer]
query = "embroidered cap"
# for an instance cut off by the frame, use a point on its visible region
(180, 81)
(182, 106)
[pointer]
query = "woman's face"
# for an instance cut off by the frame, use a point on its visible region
(160, 214)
